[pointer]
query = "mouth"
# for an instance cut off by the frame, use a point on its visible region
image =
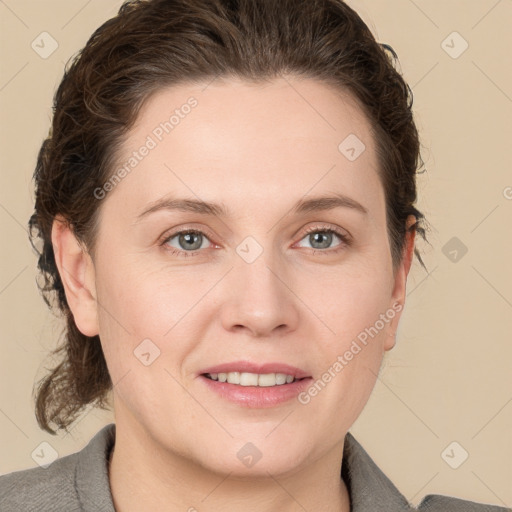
(253, 379)
(246, 373)
(255, 385)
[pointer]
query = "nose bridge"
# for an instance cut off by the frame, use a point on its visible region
(259, 299)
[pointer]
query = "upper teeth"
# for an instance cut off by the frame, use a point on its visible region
(253, 379)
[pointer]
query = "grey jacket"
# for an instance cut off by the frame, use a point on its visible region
(79, 483)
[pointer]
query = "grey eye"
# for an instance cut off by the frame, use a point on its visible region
(188, 241)
(320, 240)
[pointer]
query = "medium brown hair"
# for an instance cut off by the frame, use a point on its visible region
(155, 43)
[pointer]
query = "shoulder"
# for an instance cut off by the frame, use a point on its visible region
(71, 483)
(438, 503)
(371, 489)
(40, 488)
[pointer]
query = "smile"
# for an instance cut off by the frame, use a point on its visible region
(252, 379)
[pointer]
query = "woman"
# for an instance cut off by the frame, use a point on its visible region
(231, 260)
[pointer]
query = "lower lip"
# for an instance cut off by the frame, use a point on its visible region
(257, 396)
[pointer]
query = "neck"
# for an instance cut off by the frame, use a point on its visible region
(144, 476)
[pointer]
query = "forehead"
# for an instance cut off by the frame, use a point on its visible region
(230, 137)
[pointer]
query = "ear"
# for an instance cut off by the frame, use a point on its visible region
(399, 286)
(77, 274)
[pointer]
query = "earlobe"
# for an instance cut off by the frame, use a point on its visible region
(400, 282)
(77, 274)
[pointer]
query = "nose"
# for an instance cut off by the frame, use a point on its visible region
(259, 299)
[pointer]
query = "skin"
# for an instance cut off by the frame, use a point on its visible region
(257, 150)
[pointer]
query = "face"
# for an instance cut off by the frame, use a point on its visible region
(246, 234)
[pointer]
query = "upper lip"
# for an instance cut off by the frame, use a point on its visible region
(248, 367)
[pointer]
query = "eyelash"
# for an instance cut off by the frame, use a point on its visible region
(345, 241)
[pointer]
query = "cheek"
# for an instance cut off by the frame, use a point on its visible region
(147, 301)
(351, 299)
(157, 311)
(141, 335)
(355, 306)
(350, 357)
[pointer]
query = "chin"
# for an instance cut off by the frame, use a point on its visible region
(262, 468)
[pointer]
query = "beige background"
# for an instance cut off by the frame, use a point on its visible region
(449, 377)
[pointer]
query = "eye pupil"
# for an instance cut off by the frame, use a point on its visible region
(190, 241)
(320, 240)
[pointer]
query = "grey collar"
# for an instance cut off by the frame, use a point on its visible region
(369, 488)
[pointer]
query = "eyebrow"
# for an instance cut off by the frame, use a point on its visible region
(313, 204)
(329, 203)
